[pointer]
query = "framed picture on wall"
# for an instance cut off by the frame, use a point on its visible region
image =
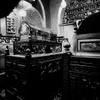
(10, 25)
(89, 45)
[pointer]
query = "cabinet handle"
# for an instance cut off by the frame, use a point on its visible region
(24, 82)
(15, 77)
(84, 80)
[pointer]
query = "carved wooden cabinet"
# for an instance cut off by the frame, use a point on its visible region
(84, 78)
(39, 77)
(36, 47)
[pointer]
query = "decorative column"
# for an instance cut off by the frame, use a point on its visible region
(62, 6)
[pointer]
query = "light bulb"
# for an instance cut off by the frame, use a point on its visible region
(22, 13)
(63, 4)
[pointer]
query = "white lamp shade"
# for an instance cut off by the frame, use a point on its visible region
(22, 13)
(24, 4)
(63, 4)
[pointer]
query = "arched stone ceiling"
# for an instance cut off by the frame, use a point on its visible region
(33, 17)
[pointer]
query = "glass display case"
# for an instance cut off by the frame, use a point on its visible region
(36, 40)
(28, 31)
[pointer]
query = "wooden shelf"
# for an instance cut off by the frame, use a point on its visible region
(66, 24)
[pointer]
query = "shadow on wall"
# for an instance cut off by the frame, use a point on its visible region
(2, 61)
(91, 24)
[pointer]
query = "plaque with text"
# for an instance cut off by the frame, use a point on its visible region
(10, 25)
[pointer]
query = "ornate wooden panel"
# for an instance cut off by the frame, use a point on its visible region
(79, 10)
(84, 74)
(40, 77)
